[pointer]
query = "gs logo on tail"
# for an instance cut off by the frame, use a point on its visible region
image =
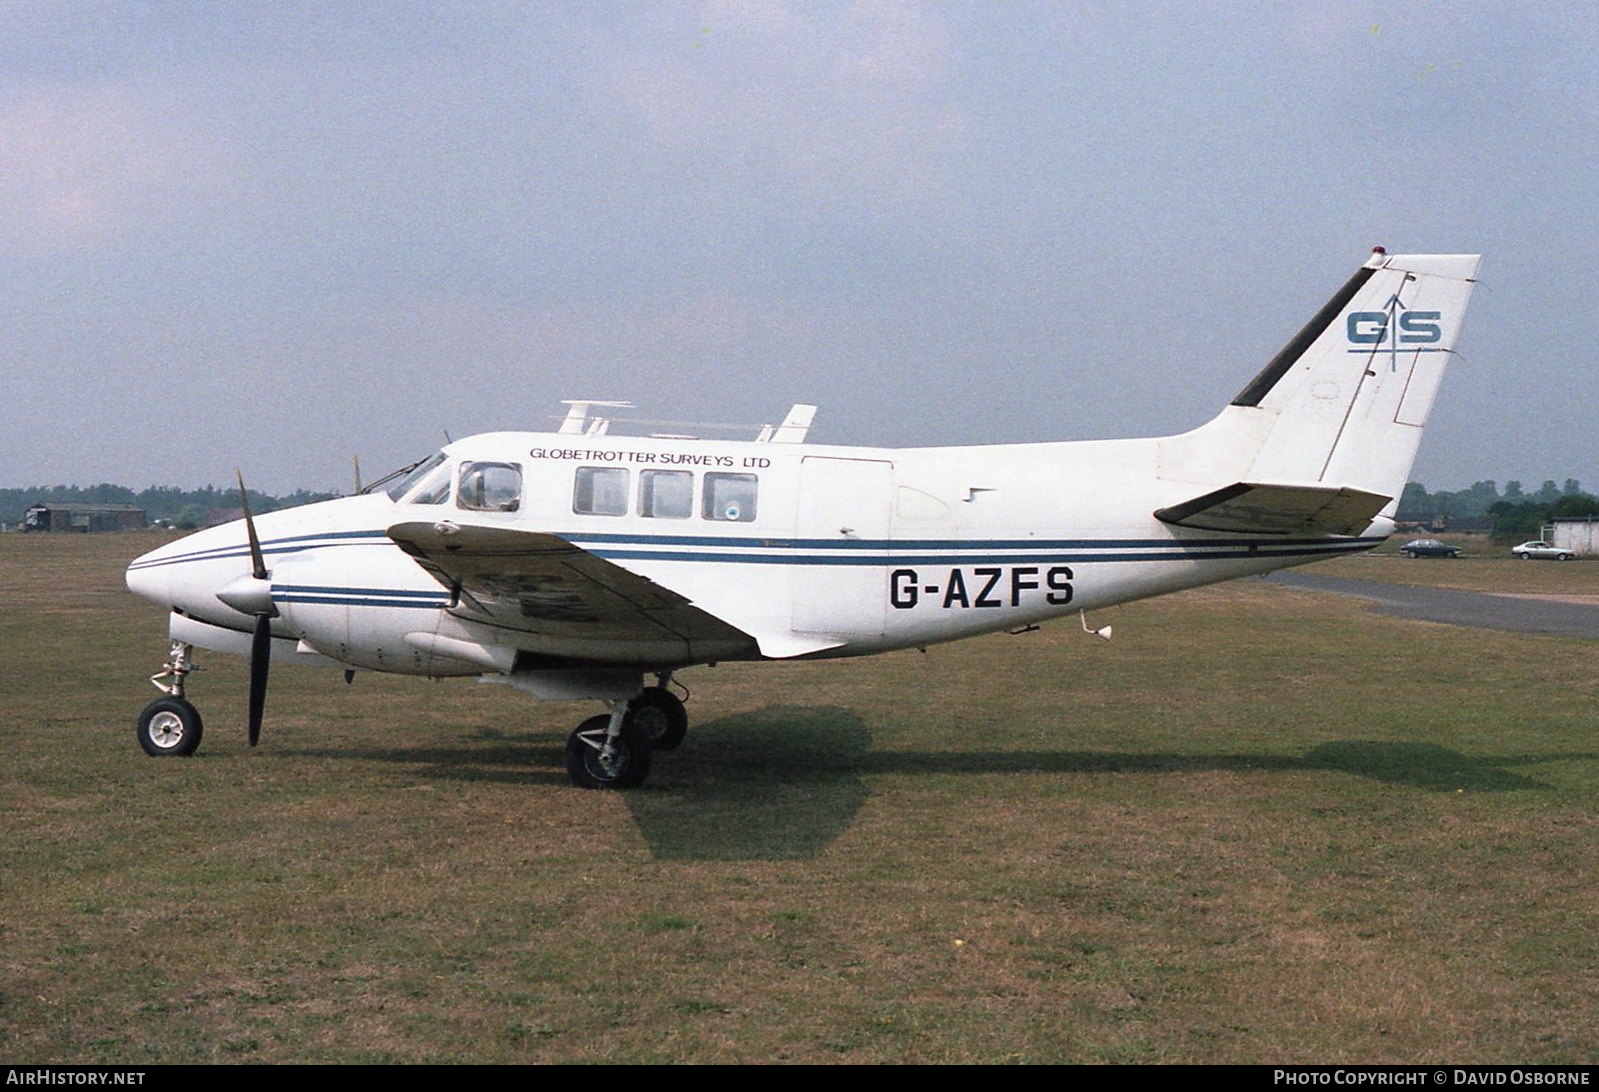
(1374, 328)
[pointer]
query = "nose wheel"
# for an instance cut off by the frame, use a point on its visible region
(169, 726)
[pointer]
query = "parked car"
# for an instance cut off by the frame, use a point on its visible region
(1527, 551)
(1428, 547)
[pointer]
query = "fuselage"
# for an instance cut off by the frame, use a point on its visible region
(804, 550)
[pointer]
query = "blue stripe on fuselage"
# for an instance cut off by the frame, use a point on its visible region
(769, 551)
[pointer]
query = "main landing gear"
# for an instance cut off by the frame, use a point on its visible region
(659, 713)
(170, 725)
(613, 751)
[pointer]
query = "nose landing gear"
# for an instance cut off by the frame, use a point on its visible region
(171, 725)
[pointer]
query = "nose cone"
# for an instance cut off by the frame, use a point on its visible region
(150, 577)
(186, 575)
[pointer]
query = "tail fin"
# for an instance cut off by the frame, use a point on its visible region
(1322, 440)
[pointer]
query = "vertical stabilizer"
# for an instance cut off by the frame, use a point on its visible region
(1343, 405)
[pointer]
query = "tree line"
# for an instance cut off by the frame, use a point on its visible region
(183, 508)
(1511, 515)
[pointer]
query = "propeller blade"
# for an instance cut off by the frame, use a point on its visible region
(257, 559)
(260, 660)
(261, 640)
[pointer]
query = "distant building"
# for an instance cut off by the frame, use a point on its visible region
(84, 517)
(1579, 534)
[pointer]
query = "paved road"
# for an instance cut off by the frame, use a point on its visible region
(1459, 608)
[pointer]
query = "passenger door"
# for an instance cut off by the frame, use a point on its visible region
(841, 525)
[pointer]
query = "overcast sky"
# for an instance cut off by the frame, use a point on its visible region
(272, 236)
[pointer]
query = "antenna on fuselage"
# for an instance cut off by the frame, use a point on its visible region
(577, 423)
(793, 428)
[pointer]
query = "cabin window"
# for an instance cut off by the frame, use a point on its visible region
(408, 479)
(435, 488)
(666, 494)
(490, 487)
(729, 497)
(600, 491)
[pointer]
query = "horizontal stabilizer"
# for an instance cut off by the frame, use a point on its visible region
(1279, 509)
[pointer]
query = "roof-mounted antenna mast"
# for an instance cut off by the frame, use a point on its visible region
(577, 423)
(793, 428)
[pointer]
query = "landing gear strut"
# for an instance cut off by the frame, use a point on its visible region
(170, 725)
(608, 751)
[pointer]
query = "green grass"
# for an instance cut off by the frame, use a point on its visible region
(1260, 825)
(1492, 569)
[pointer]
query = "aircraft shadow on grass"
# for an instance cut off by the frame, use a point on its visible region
(779, 783)
(784, 782)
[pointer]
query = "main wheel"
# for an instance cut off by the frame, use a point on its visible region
(169, 726)
(660, 716)
(590, 768)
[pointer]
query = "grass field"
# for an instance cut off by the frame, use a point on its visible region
(1261, 825)
(1488, 571)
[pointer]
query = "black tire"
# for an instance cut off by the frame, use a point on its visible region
(169, 726)
(1526, 557)
(1409, 553)
(660, 716)
(627, 769)
(1565, 557)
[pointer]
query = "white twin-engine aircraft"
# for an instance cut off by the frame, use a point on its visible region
(574, 564)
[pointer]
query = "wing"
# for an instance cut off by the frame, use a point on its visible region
(1279, 509)
(566, 600)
